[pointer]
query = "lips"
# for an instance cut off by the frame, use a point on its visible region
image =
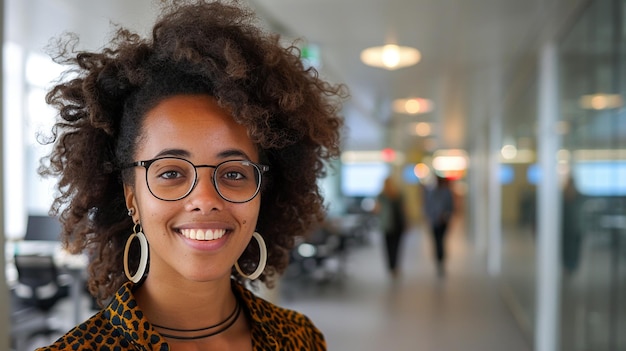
(203, 234)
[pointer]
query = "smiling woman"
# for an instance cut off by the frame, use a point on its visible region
(173, 152)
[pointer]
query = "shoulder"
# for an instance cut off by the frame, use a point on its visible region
(280, 316)
(119, 326)
(277, 325)
(92, 333)
(265, 312)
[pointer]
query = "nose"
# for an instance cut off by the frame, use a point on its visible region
(204, 196)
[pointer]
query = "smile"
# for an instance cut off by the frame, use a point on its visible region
(203, 234)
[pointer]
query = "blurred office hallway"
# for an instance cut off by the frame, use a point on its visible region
(367, 310)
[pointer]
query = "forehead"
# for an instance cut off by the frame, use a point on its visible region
(194, 123)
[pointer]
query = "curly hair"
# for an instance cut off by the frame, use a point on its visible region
(196, 47)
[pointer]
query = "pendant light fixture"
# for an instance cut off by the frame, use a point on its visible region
(390, 56)
(412, 106)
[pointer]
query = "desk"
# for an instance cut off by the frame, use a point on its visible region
(75, 265)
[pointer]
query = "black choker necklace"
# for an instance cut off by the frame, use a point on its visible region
(225, 324)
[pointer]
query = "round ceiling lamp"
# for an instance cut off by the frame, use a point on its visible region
(412, 106)
(601, 101)
(390, 56)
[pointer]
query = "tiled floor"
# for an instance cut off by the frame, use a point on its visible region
(364, 309)
(367, 310)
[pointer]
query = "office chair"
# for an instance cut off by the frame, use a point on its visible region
(26, 321)
(42, 228)
(39, 286)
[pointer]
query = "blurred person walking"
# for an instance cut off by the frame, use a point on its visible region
(392, 222)
(439, 206)
(571, 226)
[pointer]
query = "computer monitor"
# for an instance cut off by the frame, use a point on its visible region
(43, 228)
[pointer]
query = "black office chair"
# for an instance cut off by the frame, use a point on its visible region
(39, 285)
(26, 321)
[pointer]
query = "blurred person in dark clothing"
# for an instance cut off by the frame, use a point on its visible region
(439, 206)
(571, 226)
(392, 221)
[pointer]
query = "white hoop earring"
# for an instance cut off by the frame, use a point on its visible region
(143, 258)
(262, 259)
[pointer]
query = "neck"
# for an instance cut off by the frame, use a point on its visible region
(200, 333)
(185, 304)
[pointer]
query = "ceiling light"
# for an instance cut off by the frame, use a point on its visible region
(601, 101)
(386, 155)
(450, 163)
(510, 156)
(422, 129)
(450, 160)
(412, 106)
(508, 152)
(421, 170)
(390, 56)
(600, 155)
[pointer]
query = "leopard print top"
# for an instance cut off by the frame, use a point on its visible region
(122, 326)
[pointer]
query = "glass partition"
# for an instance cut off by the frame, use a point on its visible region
(593, 164)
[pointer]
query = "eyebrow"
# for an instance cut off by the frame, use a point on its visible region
(186, 154)
(173, 152)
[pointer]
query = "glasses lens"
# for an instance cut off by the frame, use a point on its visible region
(170, 178)
(237, 181)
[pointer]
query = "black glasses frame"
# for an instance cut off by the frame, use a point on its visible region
(147, 163)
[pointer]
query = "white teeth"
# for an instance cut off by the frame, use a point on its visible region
(200, 234)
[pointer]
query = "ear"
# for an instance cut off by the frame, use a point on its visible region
(131, 201)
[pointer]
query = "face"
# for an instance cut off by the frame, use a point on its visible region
(195, 128)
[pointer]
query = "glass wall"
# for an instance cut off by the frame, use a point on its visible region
(592, 175)
(592, 86)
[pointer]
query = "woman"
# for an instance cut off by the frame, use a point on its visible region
(172, 154)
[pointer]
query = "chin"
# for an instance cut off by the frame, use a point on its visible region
(206, 277)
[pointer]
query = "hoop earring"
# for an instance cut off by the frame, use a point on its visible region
(262, 259)
(143, 258)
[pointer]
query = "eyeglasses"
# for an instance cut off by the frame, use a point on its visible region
(173, 178)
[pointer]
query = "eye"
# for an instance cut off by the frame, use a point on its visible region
(170, 171)
(233, 175)
(171, 174)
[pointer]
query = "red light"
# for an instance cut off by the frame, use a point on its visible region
(388, 155)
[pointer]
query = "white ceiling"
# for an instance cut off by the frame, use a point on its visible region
(468, 47)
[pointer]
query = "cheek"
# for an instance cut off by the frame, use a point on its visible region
(153, 211)
(250, 215)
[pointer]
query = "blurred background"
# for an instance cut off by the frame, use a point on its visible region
(519, 104)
